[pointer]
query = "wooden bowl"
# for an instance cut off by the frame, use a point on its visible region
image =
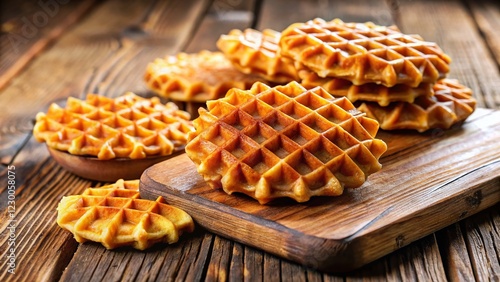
(105, 170)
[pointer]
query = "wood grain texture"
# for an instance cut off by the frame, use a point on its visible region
(237, 268)
(221, 17)
(11, 143)
(218, 265)
(454, 253)
(484, 242)
(432, 184)
(487, 16)
(472, 63)
(184, 261)
(27, 28)
(280, 14)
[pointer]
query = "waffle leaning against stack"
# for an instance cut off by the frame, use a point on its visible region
(395, 78)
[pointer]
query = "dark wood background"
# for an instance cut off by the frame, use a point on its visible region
(71, 48)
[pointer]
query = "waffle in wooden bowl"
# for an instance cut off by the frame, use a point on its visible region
(106, 139)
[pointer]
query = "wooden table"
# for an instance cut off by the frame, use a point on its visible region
(57, 49)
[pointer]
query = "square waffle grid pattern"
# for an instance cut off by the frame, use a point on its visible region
(284, 142)
(255, 52)
(128, 126)
(369, 92)
(195, 77)
(364, 53)
(451, 104)
(115, 216)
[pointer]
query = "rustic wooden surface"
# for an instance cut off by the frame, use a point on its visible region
(104, 46)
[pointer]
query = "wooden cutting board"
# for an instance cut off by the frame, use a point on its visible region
(428, 181)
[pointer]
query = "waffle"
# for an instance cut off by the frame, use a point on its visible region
(255, 52)
(125, 127)
(370, 92)
(115, 216)
(284, 141)
(364, 53)
(196, 77)
(451, 104)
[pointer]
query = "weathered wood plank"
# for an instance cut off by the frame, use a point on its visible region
(29, 27)
(419, 260)
(313, 276)
(218, 265)
(231, 261)
(271, 266)
(196, 259)
(236, 267)
(222, 16)
(375, 271)
(454, 253)
(426, 260)
(278, 15)
(292, 271)
(330, 278)
(487, 16)
(483, 242)
(184, 260)
(253, 261)
(472, 63)
(12, 139)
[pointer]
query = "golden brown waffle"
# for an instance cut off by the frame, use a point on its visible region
(255, 52)
(364, 53)
(115, 216)
(370, 92)
(196, 77)
(284, 141)
(452, 103)
(125, 127)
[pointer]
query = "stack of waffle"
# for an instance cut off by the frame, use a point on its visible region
(395, 78)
